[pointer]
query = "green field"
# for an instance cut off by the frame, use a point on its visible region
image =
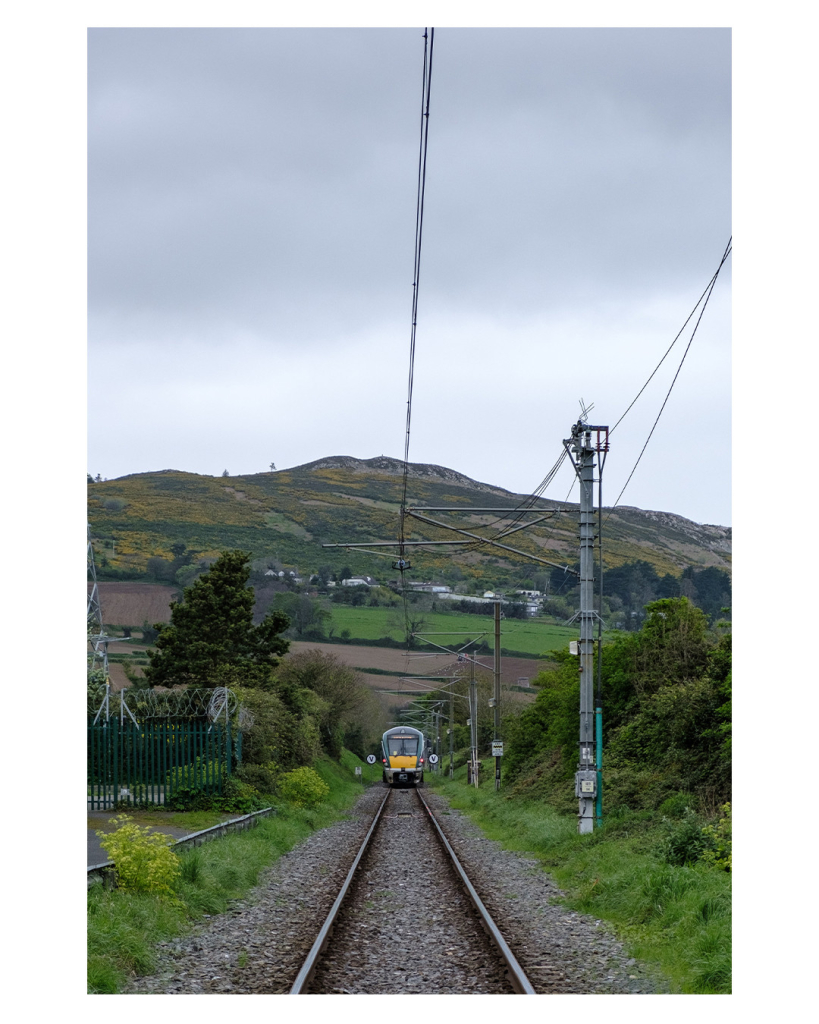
(527, 636)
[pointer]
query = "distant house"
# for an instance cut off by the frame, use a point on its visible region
(359, 581)
(431, 588)
(462, 597)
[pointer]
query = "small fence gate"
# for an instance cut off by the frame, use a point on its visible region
(148, 763)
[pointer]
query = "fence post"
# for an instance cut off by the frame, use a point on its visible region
(114, 725)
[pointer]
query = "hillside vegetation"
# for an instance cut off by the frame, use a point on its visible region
(284, 517)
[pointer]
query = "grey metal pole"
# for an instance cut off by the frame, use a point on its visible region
(586, 776)
(473, 720)
(497, 709)
(451, 735)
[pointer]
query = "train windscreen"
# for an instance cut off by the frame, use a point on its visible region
(403, 746)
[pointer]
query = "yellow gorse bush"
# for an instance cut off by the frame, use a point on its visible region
(142, 859)
(303, 787)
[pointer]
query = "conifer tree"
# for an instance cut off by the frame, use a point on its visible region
(211, 640)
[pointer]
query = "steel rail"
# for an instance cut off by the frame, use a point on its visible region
(309, 965)
(520, 983)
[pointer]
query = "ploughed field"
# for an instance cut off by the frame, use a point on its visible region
(132, 604)
(397, 662)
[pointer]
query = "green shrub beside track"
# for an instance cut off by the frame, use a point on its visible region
(124, 927)
(675, 918)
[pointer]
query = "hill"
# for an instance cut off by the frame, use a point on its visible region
(284, 518)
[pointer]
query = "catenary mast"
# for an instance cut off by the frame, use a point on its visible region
(585, 453)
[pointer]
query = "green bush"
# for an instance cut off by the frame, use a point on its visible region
(303, 787)
(675, 806)
(262, 777)
(195, 775)
(718, 840)
(142, 859)
(238, 797)
(685, 840)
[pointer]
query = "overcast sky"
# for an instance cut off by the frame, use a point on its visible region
(251, 226)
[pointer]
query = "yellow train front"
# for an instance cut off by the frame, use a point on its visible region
(403, 756)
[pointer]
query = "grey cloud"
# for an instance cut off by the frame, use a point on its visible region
(269, 175)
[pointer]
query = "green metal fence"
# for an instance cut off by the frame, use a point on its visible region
(148, 763)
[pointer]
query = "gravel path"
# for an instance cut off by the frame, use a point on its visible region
(259, 945)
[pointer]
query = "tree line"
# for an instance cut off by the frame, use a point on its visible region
(630, 587)
(666, 699)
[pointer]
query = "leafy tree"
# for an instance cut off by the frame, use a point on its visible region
(666, 704)
(346, 700)
(160, 568)
(712, 589)
(307, 617)
(149, 632)
(211, 639)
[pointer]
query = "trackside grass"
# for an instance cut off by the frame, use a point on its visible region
(124, 928)
(675, 919)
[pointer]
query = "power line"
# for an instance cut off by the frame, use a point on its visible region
(429, 41)
(707, 295)
(426, 82)
(707, 292)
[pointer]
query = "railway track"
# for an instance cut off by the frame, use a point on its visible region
(407, 919)
(405, 925)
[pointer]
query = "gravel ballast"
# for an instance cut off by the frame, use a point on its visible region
(561, 951)
(258, 946)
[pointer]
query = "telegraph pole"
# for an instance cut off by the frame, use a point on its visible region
(582, 451)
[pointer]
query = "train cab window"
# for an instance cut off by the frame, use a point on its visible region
(403, 746)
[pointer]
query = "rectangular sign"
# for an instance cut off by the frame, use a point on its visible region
(358, 769)
(497, 748)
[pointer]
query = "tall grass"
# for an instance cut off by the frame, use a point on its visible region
(675, 919)
(124, 928)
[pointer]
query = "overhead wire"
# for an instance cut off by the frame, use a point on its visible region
(426, 82)
(707, 292)
(703, 300)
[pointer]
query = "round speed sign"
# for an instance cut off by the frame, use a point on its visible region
(370, 758)
(433, 759)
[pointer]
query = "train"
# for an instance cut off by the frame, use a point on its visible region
(404, 755)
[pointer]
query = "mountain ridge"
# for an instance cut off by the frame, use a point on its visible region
(287, 515)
